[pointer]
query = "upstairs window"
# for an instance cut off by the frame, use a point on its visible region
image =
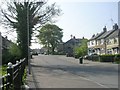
(115, 40)
(102, 41)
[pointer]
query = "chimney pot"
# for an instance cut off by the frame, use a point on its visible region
(115, 27)
(105, 29)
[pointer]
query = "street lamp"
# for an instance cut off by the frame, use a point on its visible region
(119, 26)
(28, 39)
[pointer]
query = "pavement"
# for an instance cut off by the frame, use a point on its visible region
(34, 80)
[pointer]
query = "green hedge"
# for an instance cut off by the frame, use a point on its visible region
(11, 55)
(105, 58)
(117, 58)
(7, 57)
(110, 58)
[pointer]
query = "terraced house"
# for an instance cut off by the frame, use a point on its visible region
(4, 43)
(106, 42)
(92, 43)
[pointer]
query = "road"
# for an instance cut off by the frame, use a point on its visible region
(50, 71)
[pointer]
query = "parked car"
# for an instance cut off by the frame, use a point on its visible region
(35, 53)
(93, 57)
(69, 55)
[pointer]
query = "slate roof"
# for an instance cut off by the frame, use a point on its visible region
(96, 36)
(114, 34)
(73, 40)
(106, 34)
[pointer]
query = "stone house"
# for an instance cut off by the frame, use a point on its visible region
(112, 43)
(69, 46)
(105, 43)
(92, 43)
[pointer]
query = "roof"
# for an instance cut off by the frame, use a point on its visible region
(114, 34)
(98, 35)
(106, 34)
(73, 40)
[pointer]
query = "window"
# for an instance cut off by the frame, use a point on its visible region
(102, 41)
(115, 40)
(92, 43)
(108, 41)
(109, 51)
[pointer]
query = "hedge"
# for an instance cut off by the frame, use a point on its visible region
(105, 58)
(110, 58)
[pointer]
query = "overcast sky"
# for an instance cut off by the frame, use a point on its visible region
(83, 19)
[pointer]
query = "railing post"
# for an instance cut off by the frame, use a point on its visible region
(18, 77)
(22, 68)
(10, 72)
(3, 82)
(20, 73)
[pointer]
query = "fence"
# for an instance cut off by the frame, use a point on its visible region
(13, 79)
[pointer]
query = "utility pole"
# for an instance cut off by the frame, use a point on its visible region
(28, 33)
(119, 26)
(28, 39)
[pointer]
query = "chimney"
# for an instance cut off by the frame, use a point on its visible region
(115, 26)
(93, 35)
(71, 36)
(74, 37)
(104, 29)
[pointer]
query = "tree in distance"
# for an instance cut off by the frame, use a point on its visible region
(50, 36)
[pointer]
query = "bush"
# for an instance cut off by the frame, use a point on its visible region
(76, 56)
(117, 58)
(95, 57)
(6, 57)
(11, 55)
(81, 50)
(110, 58)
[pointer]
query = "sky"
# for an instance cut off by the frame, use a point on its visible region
(83, 18)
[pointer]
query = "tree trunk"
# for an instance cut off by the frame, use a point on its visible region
(48, 51)
(53, 49)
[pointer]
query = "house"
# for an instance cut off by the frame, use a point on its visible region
(92, 43)
(101, 42)
(69, 46)
(59, 48)
(105, 43)
(112, 43)
(6, 43)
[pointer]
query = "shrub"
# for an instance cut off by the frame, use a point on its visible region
(95, 57)
(6, 57)
(81, 50)
(117, 58)
(110, 58)
(11, 55)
